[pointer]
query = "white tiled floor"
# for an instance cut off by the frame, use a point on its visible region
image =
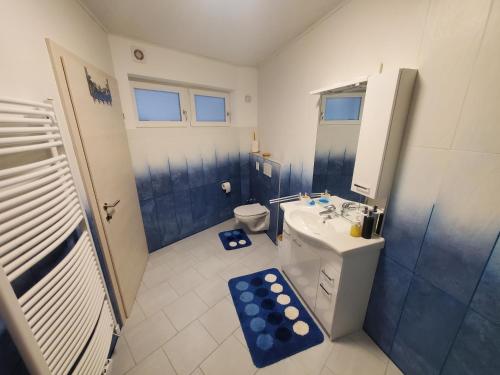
(184, 321)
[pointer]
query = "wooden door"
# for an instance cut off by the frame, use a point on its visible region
(99, 128)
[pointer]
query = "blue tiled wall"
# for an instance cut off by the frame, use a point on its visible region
(264, 188)
(181, 199)
(435, 302)
(334, 173)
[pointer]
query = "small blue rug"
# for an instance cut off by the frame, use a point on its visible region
(275, 323)
(234, 239)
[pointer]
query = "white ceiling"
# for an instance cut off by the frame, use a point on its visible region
(242, 32)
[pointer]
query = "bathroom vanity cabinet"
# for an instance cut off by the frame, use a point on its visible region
(335, 285)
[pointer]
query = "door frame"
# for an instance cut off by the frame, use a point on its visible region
(56, 53)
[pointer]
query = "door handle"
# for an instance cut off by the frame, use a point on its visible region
(106, 206)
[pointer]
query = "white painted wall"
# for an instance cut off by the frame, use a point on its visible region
(351, 42)
(153, 147)
(169, 65)
(25, 67)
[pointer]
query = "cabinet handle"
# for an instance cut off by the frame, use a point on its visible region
(328, 277)
(362, 188)
(324, 290)
(297, 242)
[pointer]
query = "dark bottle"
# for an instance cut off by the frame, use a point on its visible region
(367, 230)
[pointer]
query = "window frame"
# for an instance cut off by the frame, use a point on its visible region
(341, 95)
(183, 103)
(219, 94)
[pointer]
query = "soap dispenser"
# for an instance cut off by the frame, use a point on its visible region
(367, 230)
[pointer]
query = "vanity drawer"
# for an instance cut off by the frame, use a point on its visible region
(325, 305)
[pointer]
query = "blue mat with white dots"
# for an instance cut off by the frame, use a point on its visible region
(234, 239)
(275, 323)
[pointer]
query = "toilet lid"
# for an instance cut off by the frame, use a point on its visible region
(251, 210)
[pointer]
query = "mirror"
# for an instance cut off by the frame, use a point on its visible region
(340, 112)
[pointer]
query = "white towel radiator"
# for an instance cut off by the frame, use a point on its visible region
(61, 320)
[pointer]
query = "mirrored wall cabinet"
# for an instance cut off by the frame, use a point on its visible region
(379, 105)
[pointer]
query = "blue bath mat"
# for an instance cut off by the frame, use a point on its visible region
(275, 323)
(234, 239)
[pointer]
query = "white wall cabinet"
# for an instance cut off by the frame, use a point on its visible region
(387, 100)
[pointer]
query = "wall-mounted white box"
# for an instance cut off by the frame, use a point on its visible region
(268, 169)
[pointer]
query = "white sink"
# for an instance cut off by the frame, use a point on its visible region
(307, 223)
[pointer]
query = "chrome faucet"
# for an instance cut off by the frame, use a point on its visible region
(330, 209)
(346, 206)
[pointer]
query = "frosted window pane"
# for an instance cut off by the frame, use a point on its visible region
(156, 105)
(342, 108)
(210, 108)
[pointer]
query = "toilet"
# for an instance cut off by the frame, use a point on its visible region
(254, 217)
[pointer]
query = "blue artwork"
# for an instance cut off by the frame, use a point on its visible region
(275, 323)
(98, 93)
(234, 239)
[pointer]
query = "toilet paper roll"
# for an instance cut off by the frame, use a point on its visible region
(226, 186)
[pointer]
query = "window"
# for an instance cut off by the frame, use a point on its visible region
(210, 108)
(342, 109)
(160, 105)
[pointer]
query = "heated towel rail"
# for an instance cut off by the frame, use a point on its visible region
(52, 293)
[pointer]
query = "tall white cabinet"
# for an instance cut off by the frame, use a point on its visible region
(387, 100)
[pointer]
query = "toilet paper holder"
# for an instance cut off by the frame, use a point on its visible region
(226, 187)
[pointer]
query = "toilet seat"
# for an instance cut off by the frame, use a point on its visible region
(249, 210)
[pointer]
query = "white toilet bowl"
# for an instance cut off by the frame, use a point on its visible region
(253, 217)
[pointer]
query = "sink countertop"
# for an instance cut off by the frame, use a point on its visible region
(342, 243)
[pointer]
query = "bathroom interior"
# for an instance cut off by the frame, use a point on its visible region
(250, 187)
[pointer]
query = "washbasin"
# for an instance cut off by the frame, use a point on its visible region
(312, 227)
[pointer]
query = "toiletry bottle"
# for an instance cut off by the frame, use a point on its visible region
(366, 231)
(363, 215)
(376, 214)
(356, 228)
(380, 222)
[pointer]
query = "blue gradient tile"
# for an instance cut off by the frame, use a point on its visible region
(272, 232)
(335, 163)
(429, 323)
(476, 348)
(179, 176)
(486, 300)
(151, 228)
(224, 207)
(296, 179)
(348, 166)
(455, 266)
(161, 181)
(321, 163)
(234, 162)
(223, 166)
(195, 173)
(464, 225)
(404, 233)
(285, 180)
(143, 184)
(389, 290)
(212, 193)
(183, 213)
(209, 170)
(245, 188)
(319, 183)
(236, 197)
(167, 222)
(199, 208)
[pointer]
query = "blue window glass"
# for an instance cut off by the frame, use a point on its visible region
(210, 108)
(156, 105)
(342, 108)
